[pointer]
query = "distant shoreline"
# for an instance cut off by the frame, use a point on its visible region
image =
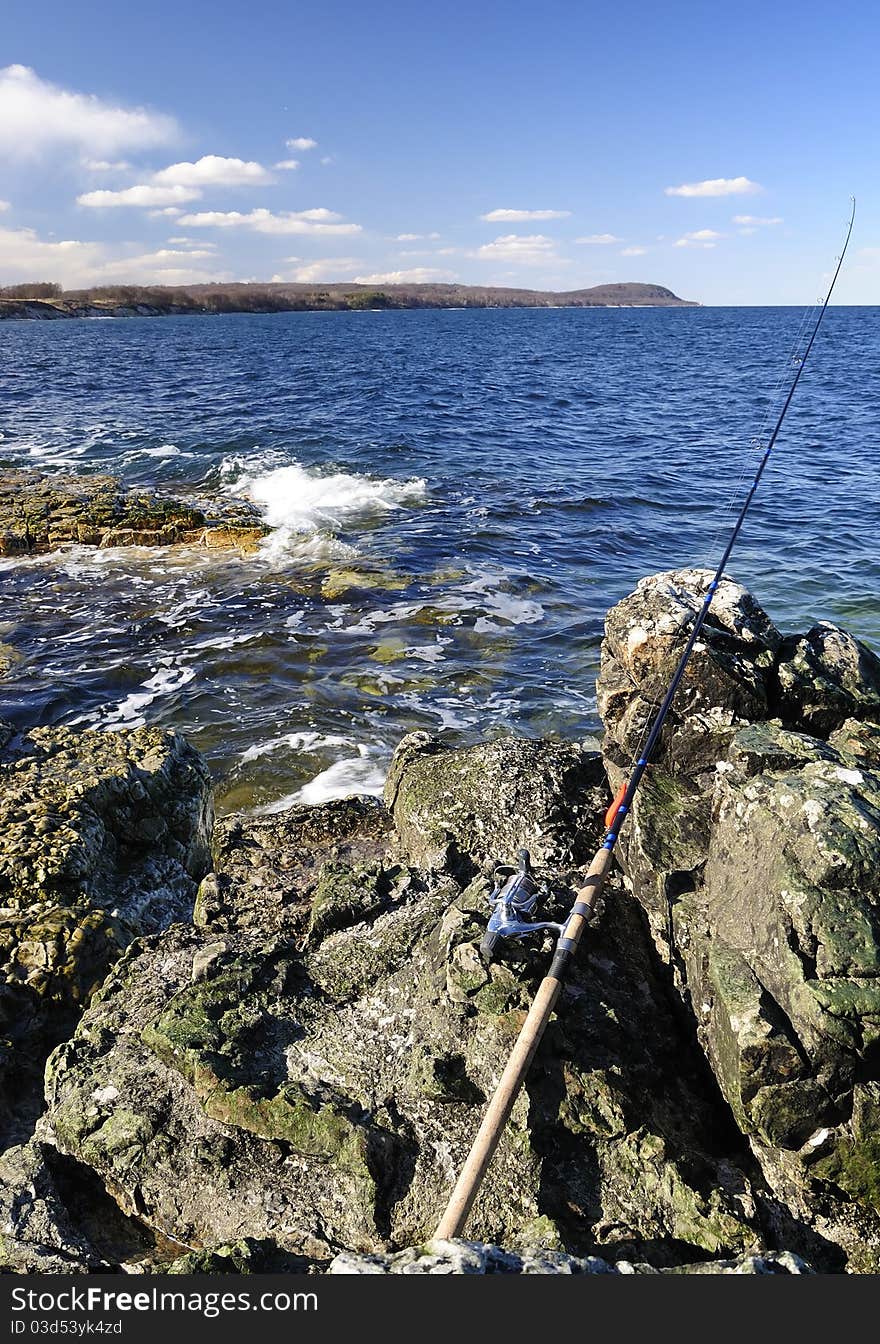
(209, 300)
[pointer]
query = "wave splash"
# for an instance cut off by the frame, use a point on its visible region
(296, 501)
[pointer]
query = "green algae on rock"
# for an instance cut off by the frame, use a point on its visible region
(318, 1091)
(104, 837)
(757, 863)
(40, 513)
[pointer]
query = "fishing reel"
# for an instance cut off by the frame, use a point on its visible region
(513, 900)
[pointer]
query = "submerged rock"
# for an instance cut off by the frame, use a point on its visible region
(41, 513)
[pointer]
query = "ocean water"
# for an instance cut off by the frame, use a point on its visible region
(456, 498)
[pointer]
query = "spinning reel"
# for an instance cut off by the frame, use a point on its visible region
(513, 900)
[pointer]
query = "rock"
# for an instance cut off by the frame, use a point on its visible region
(754, 848)
(56, 1218)
(469, 1257)
(825, 677)
(466, 807)
(318, 1084)
(102, 837)
(41, 513)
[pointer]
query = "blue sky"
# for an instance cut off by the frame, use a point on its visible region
(709, 149)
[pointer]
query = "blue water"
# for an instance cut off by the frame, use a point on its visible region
(503, 477)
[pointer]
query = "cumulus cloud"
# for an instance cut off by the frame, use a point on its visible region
(144, 195)
(418, 275)
(301, 142)
(324, 269)
(415, 237)
(27, 257)
(36, 116)
(699, 238)
(160, 266)
(716, 186)
(106, 165)
(756, 221)
(525, 249)
(213, 170)
(287, 165)
(633, 251)
(599, 239)
(317, 221)
(194, 247)
(76, 264)
(4, 205)
(517, 216)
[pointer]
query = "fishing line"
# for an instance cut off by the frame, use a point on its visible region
(514, 902)
(809, 319)
(618, 810)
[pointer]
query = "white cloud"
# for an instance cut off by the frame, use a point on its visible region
(756, 221)
(716, 186)
(4, 205)
(149, 266)
(182, 241)
(328, 159)
(599, 239)
(324, 269)
(516, 216)
(301, 142)
(36, 116)
(140, 195)
(415, 237)
(699, 238)
(287, 165)
(76, 264)
(106, 165)
(27, 257)
(525, 249)
(318, 221)
(633, 251)
(419, 275)
(212, 170)
(170, 212)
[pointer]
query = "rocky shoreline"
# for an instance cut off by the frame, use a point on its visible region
(40, 513)
(283, 297)
(265, 1043)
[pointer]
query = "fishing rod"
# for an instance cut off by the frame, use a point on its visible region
(517, 896)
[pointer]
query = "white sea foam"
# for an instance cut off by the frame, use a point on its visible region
(297, 502)
(353, 775)
(163, 450)
(301, 741)
(226, 641)
(129, 712)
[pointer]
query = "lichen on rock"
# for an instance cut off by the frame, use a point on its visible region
(757, 863)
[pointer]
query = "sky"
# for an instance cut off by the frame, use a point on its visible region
(711, 149)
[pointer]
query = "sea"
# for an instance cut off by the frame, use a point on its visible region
(456, 498)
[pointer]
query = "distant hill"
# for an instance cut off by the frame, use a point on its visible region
(48, 301)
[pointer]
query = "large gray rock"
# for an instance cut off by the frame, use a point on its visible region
(755, 850)
(313, 1079)
(477, 805)
(103, 836)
